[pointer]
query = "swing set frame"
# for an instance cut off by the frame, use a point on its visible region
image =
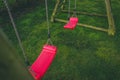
(111, 26)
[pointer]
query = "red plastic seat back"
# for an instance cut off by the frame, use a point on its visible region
(74, 19)
(42, 63)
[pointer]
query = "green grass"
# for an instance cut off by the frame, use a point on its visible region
(83, 54)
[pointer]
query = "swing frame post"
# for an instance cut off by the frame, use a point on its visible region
(110, 30)
(62, 7)
(55, 10)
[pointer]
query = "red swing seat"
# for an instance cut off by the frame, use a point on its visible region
(72, 23)
(69, 25)
(41, 64)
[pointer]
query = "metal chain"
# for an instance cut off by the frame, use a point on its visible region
(16, 32)
(48, 24)
(74, 13)
(69, 9)
(75, 4)
(47, 16)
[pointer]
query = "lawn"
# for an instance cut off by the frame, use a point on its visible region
(83, 54)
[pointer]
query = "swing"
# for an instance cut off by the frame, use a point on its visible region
(42, 63)
(72, 21)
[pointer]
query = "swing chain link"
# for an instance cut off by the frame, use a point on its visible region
(16, 32)
(69, 9)
(48, 24)
(74, 11)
